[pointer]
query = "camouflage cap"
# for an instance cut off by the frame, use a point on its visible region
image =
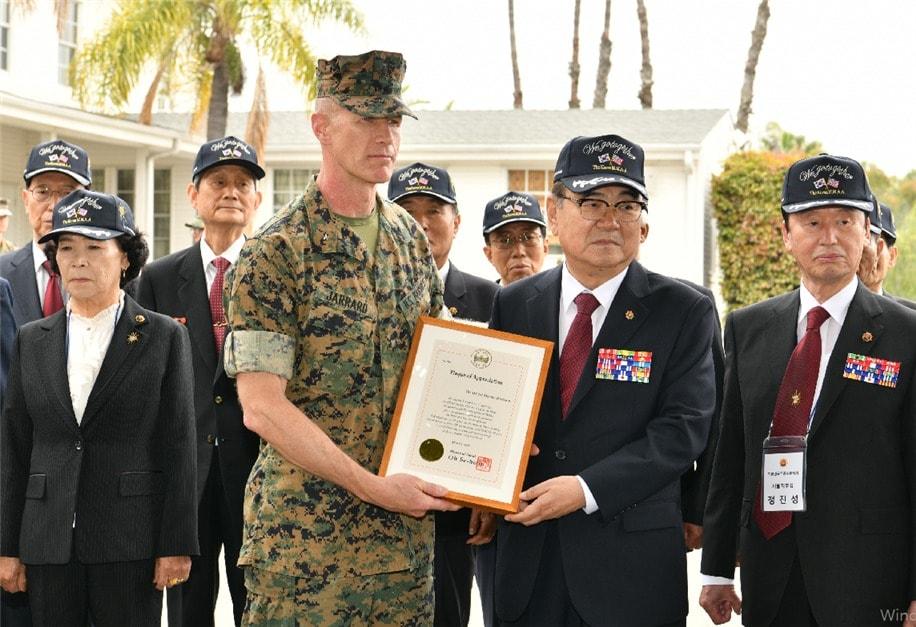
(367, 84)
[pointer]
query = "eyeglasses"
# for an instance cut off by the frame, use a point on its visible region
(594, 209)
(530, 239)
(44, 194)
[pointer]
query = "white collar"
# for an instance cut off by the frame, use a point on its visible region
(103, 316)
(443, 271)
(231, 254)
(837, 305)
(38, 256)
(570, 287)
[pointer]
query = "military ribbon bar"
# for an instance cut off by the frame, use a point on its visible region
(871, 370)
(618, 364)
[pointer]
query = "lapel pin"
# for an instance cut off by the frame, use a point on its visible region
(629, 315)
(453, 311)
(867, 336)
(139, 318)
(133, 337)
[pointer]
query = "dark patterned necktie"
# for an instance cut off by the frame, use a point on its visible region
(577, 347)
(793, 406)
(217, 314)
(53, 301)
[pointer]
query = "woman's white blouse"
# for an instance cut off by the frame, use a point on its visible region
(88, 340)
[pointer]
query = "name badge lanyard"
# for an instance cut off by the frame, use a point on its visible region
(784, 470)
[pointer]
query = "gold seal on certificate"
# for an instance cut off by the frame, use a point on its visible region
(466, 411)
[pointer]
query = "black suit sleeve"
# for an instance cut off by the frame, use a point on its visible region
(675, 435)
(15, 455)
(724, 503)
(146, 295)
(695, 483)
(176, 438)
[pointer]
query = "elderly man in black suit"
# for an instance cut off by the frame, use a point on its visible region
(188, 285)
(53, 170)
(427, 193)
(879, 255)
(626, 410)
(814, 481)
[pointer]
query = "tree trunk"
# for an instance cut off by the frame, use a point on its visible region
(218, 111)
(645, 73)
(146, 111)
(516, 78)
(258, 118)
(750, 68)
(574, 64)
(604, 60)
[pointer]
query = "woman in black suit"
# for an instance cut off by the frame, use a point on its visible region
(98, 487)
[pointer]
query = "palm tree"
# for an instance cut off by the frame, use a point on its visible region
(645, 73)
(516, 78)
(198, 42)
(604, 60)
(750, 68)
(574, 64)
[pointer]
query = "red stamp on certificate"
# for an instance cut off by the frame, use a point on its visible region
(483, 463)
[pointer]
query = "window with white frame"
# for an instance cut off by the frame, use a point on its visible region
(66, 48)
(162, 212)
(288, 184)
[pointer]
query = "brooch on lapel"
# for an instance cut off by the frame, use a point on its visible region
(133, 337)
(629, 315)
(618, 364)
(881, 372)
(867, 336)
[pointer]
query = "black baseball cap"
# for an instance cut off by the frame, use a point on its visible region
(512, 207)
(586, 163)
(59, 156)
(227, 150)
(420, 178)
(91, 214)
(882, 223)
(826, 180)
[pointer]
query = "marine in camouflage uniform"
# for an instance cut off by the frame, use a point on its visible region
(310, 303)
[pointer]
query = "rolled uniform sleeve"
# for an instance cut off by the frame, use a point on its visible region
(262, 310)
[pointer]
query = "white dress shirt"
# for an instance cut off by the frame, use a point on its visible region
(570, 288)
(837, 306)
(207, 255)
(41, 275)
(87, 343)
(443, 271)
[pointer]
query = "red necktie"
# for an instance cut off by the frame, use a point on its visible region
(793, 406)
(217, 314)
(577, 347)
(54, 301)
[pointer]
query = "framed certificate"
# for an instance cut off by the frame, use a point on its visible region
(466, 411)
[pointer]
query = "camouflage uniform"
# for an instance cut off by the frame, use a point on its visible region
(308, 303)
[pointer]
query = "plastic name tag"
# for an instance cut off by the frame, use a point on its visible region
(783, 479)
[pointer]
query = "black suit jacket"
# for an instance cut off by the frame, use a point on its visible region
(695, 482)
(176, 286)
(471, 298)
(7, 332)
(629, 441)
(856, 541)
(18, 267)
(125, 474)
(468, 296)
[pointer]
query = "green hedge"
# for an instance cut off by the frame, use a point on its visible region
(745, 198)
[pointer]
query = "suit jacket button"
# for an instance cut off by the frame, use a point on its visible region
(211, 439)
(560, 454)
(78, 445)
(218, 399)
